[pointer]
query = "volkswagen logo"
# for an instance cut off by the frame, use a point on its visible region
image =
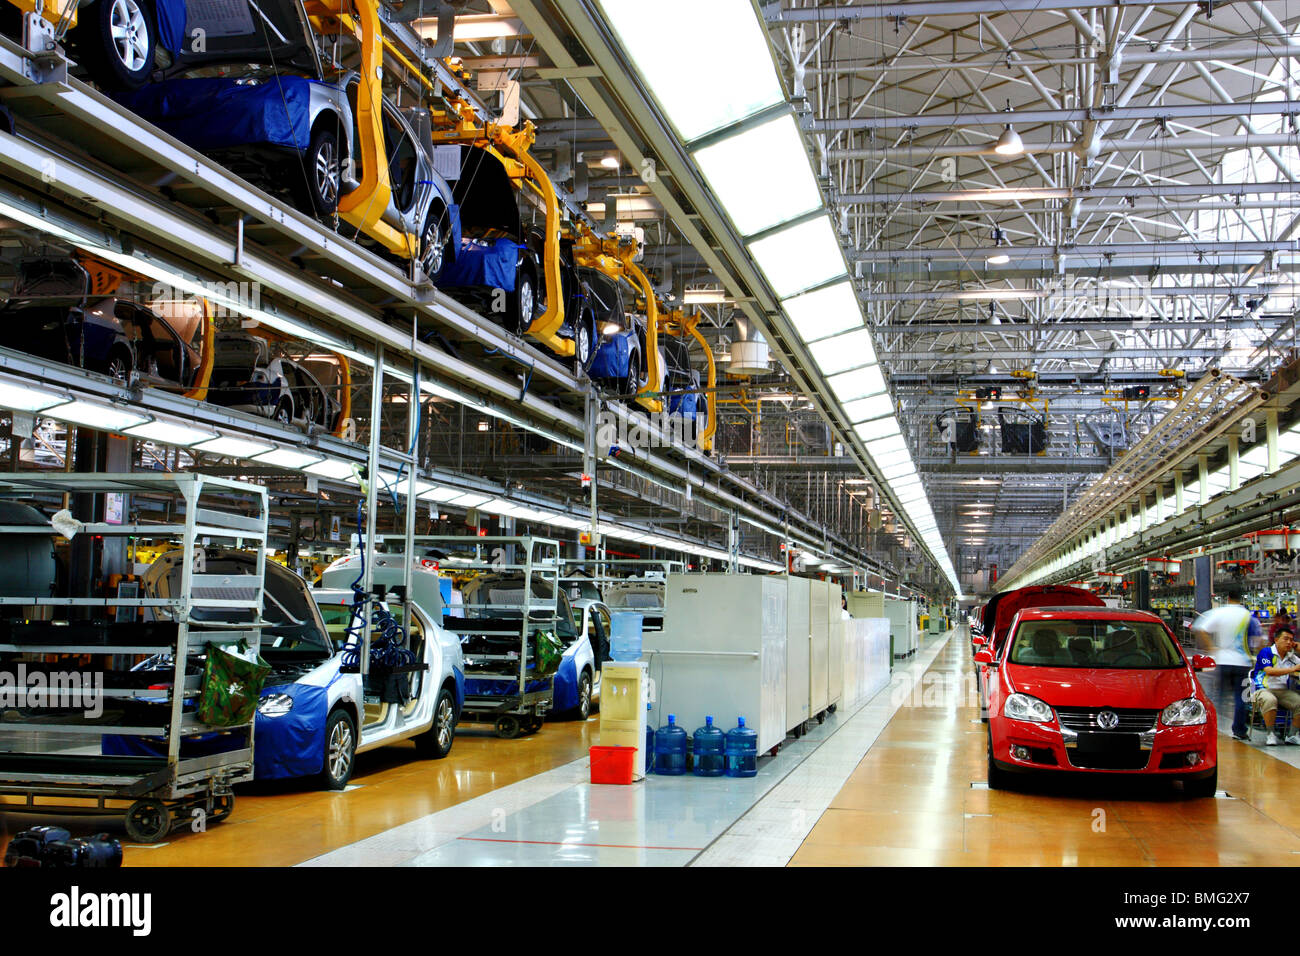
(1108, 720)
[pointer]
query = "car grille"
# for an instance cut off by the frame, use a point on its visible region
(1130, 721)
(1121, 760)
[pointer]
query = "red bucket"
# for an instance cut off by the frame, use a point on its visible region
(612, 764)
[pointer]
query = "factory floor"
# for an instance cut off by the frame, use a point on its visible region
(895, 780)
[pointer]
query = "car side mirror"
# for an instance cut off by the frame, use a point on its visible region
(1202, 663)
(984, 657)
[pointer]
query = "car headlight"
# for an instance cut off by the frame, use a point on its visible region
(1024, 707)
(275, 705)
(1183, 713)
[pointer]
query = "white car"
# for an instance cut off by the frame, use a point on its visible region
(644, 595)
(577, 683)
(315, 713)
(387, 570)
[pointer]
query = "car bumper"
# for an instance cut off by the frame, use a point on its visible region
(1163, 752)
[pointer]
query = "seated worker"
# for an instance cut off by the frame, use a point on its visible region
(1273, 666)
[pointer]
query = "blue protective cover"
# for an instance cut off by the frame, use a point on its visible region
(292, 745)
(490, 266)
(201, 745)
(566, 685)
(684, 405)
(171, 24)
(612, 357)
(476, 687)
(459, 675)
(217, 113)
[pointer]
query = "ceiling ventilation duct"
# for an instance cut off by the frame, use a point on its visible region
(749, 351)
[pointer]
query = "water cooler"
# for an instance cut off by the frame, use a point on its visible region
(625, 689)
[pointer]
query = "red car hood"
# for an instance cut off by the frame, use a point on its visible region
(1096, 687)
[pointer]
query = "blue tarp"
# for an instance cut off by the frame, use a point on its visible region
(292, 745)
(612, 357)
(171, 24)
(217, 113)
(488, 266)
(684, 405)
(201, 745)
(475, 687)
(566, 686)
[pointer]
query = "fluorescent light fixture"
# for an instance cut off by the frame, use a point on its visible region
(610, 161)
(288, 458)
(171, 433)
(886, 447)
(440, 494)
(674, 48)
(800, 256)
(877, 429)
(499, 506)
(331, 468)
(998, 259)
(824, 312)
(842, 352)
(859, 383)
(228, 447)
(92, 415)
(742, 168)
(700, 297)
(470, 499)
(473, 28)
(28, 398)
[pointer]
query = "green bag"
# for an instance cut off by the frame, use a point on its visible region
(548, 649)
(231, 688)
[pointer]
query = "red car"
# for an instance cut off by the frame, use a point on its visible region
(1099, 690)
(1002, 610)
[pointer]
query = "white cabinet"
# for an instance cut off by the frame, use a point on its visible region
(819, 627)
(835, 645)
(722, 653)
(798, 681)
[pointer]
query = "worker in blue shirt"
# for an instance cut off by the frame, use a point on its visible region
(1274, 666)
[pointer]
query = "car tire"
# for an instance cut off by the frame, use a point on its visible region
(119, 365)
(584, 342)
(113, 62)
(433, 244)
(323, 166)
(629, 385)
(340, 751)
(583, 710)
(523, 303)
(1203, 787)
(283, 412)
(435, 743)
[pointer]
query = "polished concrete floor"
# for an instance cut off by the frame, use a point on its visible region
(897, 779)
(918, 798)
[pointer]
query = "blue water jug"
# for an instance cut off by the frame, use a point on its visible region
(710, 750)
(670, 749)
(649, 743)
(742, 751)
(625, 636)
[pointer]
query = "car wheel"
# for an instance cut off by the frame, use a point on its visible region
(525, 303)
(630, 384)
(323, 166)
(583, 710)
(340, 751)
(435, 743)
(1204, 787)
(117, 40)
(584, 342)
(119, 365)
(433, 248)
(283, 412)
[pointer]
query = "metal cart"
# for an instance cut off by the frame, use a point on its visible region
(483, 624)
(53, 761)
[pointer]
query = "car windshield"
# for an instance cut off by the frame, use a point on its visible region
(1110, 644)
